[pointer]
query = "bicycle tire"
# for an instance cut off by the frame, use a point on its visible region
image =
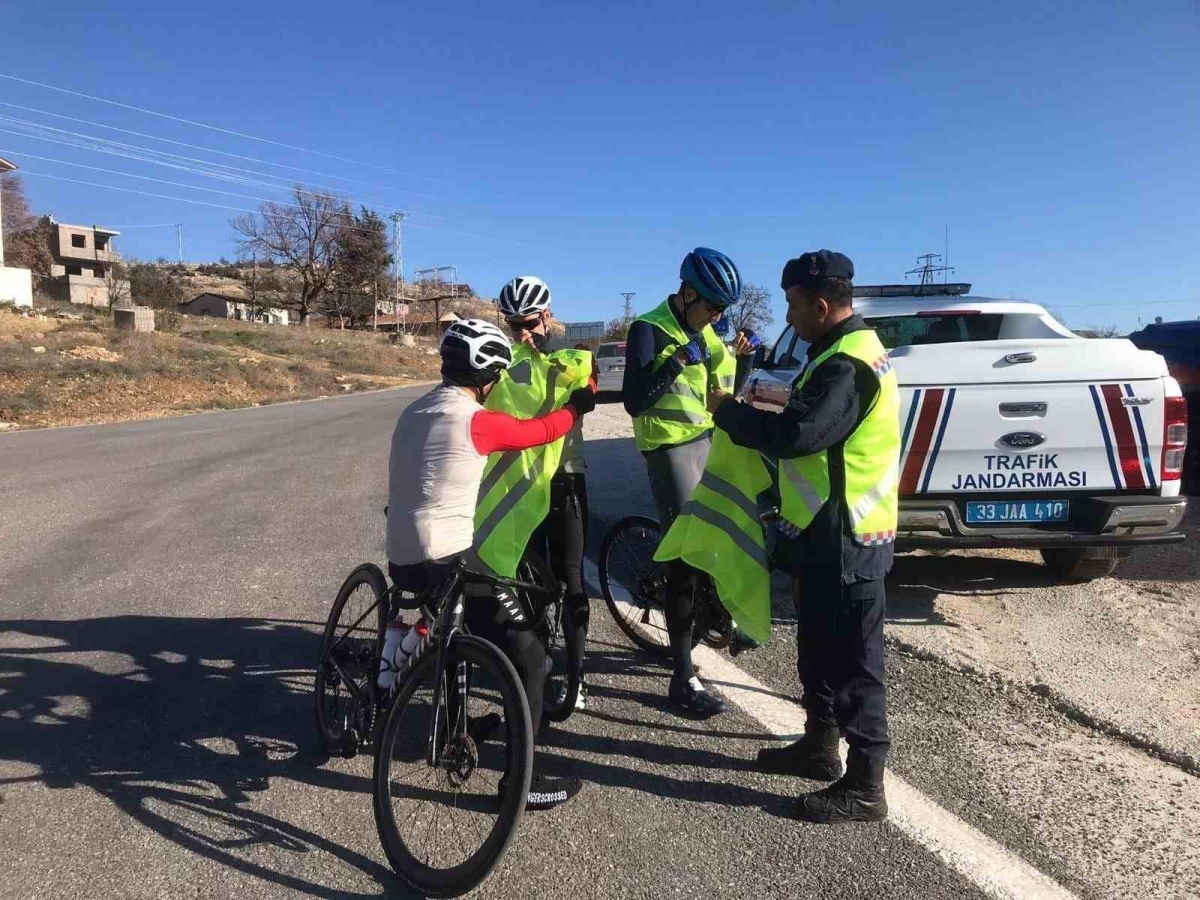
(331, 733)
(562, 682)
(518, 753)
(646, 636)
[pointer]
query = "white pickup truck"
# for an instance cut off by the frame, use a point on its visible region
(1016, 432)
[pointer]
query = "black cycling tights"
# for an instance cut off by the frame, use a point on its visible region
(565, 529)
(486, 616)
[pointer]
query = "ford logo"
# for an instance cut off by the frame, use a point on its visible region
(1023, 440)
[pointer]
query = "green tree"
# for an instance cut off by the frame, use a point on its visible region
(616, 330)
(361, 269)
(150, 285)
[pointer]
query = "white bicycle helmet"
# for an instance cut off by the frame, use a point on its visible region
(474, 353)
(524, 297)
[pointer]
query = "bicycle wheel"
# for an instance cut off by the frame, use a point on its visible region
(445, 826)
(633, 584)
(563, 653)
(353, 638)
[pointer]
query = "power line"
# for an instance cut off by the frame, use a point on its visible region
(111, 187)
(105, 146)
(152, 137)
(217, 128)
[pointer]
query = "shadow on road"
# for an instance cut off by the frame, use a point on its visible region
(179, 722)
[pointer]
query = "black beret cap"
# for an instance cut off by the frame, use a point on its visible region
(808, 269)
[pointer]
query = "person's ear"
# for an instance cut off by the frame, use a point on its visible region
(823, 308)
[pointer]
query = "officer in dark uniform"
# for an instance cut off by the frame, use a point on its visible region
(836, 421)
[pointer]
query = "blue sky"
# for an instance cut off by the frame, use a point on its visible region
(595, 144)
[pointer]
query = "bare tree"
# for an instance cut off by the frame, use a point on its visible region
(116, 283)
(753, 311)
(302, 237)
(1107, 330)
(616, 330)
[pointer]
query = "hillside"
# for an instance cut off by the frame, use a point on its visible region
(79, 370)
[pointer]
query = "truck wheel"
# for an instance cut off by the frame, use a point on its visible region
(1076, 565)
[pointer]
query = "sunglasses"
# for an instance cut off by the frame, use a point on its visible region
(523, 324)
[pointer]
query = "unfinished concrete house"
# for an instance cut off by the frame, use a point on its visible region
(83, 259)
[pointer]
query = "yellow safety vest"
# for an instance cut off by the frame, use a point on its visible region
(870, 455)
(681, 414)
(718, 531)
(514, 496)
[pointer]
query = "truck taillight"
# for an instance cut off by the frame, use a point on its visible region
(1174, 438)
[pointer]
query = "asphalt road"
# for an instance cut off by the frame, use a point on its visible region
(162, 585)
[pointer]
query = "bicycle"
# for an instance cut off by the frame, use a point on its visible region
(635, 586)
(347, 699)
(454, 749)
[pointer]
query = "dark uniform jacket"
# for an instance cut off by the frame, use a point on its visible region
(832, 403)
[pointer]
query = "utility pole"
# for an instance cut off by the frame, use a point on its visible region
(254, 288)
(179, 235)
(629, 304)
(397, 265)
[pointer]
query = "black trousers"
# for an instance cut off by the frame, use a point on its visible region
(840, 662)
(564, 534)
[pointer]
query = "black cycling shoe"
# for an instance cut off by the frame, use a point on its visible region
(844, 801)
(814, 756)
(692, 696)
(740, 642)
(546, 792)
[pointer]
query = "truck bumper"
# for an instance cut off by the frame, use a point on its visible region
(1095, 522)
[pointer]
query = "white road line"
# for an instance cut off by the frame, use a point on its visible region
(986, 863)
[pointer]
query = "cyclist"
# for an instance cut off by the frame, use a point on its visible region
(525, 304)
(673, 358)
(439, 448)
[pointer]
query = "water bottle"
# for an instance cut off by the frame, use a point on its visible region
(410, 643)
(396, 633)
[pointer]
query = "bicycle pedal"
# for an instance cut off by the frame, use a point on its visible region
(350, 741)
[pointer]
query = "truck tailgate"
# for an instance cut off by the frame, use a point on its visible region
(1005, 416)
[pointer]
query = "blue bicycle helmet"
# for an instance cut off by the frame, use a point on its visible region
(713, 275)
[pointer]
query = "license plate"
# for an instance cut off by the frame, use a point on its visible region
(1020, 511)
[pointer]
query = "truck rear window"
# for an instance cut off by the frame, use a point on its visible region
(947, 328)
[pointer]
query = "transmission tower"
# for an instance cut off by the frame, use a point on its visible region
(928, 268)
(628, 304)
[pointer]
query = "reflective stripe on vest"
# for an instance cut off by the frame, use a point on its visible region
(718, 531)
(514, 495)
(681, 413)
(870, 455)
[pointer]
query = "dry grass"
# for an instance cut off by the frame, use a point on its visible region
(90, 373)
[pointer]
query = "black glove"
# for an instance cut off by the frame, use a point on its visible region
(582, 400)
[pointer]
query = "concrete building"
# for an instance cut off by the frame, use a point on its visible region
(83, 258)
(16, 285)
(222, 306)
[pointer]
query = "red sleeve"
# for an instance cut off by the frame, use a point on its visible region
(492, 431)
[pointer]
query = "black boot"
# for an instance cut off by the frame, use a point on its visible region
(814, 756)
(856, 797)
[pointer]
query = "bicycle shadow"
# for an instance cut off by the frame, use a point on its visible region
(181, 723)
